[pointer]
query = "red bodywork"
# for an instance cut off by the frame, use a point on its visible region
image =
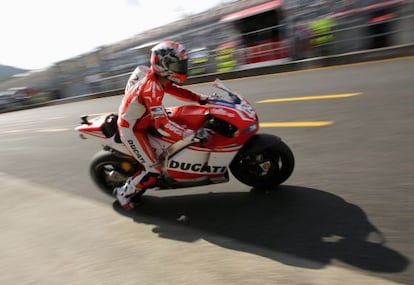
(192, 117)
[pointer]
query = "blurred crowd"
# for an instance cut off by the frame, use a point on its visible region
(233, 38)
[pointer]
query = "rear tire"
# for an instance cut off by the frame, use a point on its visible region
(265, 169)
(109, 170)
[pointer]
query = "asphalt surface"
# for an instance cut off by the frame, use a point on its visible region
(345, 216)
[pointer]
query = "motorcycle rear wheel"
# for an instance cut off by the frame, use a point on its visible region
(266, 169)
(109, 170)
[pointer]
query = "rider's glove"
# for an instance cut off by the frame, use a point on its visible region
(201, 135)
(203, 100)
(188, 135)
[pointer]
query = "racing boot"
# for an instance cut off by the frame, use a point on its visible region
(123, 194)
(140, 181)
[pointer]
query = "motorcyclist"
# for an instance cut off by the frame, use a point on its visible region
(142, 103)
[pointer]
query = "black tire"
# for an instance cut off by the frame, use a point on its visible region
(246, 166)
(106, 162)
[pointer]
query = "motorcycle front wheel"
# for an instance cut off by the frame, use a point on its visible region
(264, 169)
(109, 170)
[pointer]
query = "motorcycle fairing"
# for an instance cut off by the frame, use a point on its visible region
(185, 162)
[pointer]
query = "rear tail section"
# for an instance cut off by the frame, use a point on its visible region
(103, 127)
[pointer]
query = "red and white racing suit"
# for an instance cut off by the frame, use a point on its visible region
(142, 103)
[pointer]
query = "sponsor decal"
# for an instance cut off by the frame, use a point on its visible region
(249, 110)
(223, 103)
(173, 128)
(157, 112)
(136, 151)
(250, 129)
(197, 167)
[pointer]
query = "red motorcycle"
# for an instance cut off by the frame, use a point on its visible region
(258, 160)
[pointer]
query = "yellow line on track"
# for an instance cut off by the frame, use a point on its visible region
(308, 98)
(53, 130)
(295, 124)
(15, 131)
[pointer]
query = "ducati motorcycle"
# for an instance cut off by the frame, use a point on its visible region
(262, 161)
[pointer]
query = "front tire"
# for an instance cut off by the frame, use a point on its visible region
(109, 170)
(265, 168)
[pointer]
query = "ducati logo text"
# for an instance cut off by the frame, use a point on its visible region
(136, 151)
(196, 167)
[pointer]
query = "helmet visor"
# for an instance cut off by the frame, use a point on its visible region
(179, 66)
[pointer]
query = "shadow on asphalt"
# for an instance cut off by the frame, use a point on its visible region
(307, 223)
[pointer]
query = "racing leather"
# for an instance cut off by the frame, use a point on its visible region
(141, 104)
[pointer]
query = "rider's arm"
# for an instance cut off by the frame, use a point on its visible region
(182, 93)
(151, 98)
